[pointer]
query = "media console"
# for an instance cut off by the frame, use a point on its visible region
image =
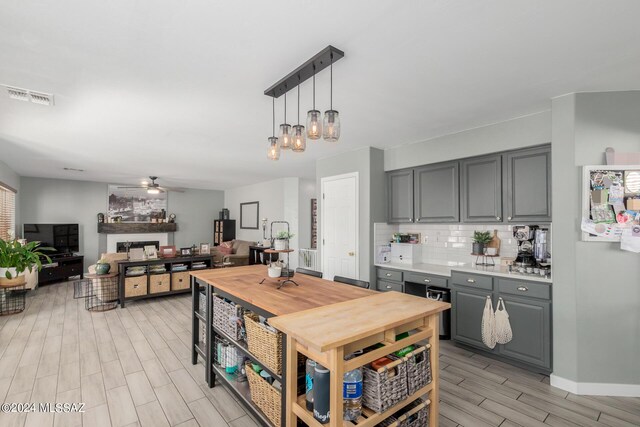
(61, 268)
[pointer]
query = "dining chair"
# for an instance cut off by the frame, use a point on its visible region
(352, 282)
(309, 272)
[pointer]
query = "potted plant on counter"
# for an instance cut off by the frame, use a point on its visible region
(16, 258)
(480, 239)
(281, 242)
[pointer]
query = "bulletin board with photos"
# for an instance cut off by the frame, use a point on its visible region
(611, 203)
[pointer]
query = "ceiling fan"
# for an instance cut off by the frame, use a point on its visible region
(154, 188)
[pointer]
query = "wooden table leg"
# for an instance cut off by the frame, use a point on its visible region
(291, 387)
(336, 367)
(434, 408)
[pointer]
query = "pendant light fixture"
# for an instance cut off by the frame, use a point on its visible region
(298, 135)
(285, 129)
(273, 153)
(314, 120)
(331, 125)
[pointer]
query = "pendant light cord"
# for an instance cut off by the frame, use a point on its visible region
(298, 99)
(285, 104)
(331, 92)
(314, 86)
(273, 124)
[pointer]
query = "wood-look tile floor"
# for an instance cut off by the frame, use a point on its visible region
(132, 367)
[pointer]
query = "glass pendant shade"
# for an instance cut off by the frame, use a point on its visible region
(285, 136)
(331, 126)
(298, 139)
(314, 124)
(273, 153)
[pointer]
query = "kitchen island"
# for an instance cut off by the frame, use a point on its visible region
(376, 314)
(242, 286)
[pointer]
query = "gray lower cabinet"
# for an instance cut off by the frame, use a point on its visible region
(529, 308)
(527, 182)
(400, 196)
(531, 326)
(466, 316)
(437, 193)
(481, 189)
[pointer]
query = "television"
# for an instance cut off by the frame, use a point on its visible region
(64, 238)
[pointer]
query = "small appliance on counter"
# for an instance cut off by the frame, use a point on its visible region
(383, 254)
(406, 253)
(533, 250)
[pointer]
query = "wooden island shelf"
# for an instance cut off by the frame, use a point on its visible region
(322, 320)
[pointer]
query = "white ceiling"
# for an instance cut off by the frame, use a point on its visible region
(174, 88)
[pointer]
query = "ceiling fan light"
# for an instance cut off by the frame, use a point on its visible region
(153, 191)
(285, 136)
(331, 126)
(314, 124)
(273, 153)
(298, 139)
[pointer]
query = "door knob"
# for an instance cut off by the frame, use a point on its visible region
(352, 253)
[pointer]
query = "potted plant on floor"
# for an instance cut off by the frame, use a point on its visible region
(480, 239)
(281, 242)
(16, 259)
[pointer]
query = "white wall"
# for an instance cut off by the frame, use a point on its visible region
(56, 200)
(512, 134)
(596, 303)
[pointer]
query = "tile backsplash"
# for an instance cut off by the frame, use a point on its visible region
(448, 243)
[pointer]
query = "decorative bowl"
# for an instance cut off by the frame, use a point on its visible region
(274, 271)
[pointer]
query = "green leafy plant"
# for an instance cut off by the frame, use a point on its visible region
(483, 237)
(102, 261)
(13, 254)
(284, 235)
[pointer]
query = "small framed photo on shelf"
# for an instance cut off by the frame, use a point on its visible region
(136, 254)
(205, 249)
(167, 251)
(151, 252)
(186, 252)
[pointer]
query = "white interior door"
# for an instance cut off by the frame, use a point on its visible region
(339, 226)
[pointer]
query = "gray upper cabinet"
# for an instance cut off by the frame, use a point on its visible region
(481, 189)
(400, 196)
(437, 193)
(527, 181)
(531, 326)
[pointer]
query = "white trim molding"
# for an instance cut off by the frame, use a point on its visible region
(595, 389)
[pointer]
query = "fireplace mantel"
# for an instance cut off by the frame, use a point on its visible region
(136, 227)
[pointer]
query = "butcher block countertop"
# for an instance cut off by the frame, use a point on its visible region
(335, 325)
(312, 292)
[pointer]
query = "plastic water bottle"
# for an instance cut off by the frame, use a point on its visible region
(352, 393)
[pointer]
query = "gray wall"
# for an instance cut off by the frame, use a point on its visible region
(12, 179)
(56, 200)
(596, 285)
(521, 132)
(368, 162)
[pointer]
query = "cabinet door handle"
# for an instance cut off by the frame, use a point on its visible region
(427, 280)
(523, 288)
(471, 281)
(410, 219)
(509, 218)
(498, 218)
(388, 274)
(388, 286)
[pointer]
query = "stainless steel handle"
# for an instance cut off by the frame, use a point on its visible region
(509, 218)
(498, 218)
(388, 274)
(388, 286)
(471, 281)
(523, 288)
(410, 219)
(427, 280)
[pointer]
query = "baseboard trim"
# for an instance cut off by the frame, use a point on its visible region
(595, 389)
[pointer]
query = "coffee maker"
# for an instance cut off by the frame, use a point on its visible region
(525, 236)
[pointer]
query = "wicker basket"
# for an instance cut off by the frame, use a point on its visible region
(418, 368)
(227, 317)
(415, 414)
(264, 395)
(385, 387)
(266, 345)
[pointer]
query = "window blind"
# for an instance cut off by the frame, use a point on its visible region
(7, 213)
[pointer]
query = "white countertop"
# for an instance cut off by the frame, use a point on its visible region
(445, 270)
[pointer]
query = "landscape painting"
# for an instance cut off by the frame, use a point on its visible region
(135, 204)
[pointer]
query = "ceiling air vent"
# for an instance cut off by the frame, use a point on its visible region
(29, 95)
